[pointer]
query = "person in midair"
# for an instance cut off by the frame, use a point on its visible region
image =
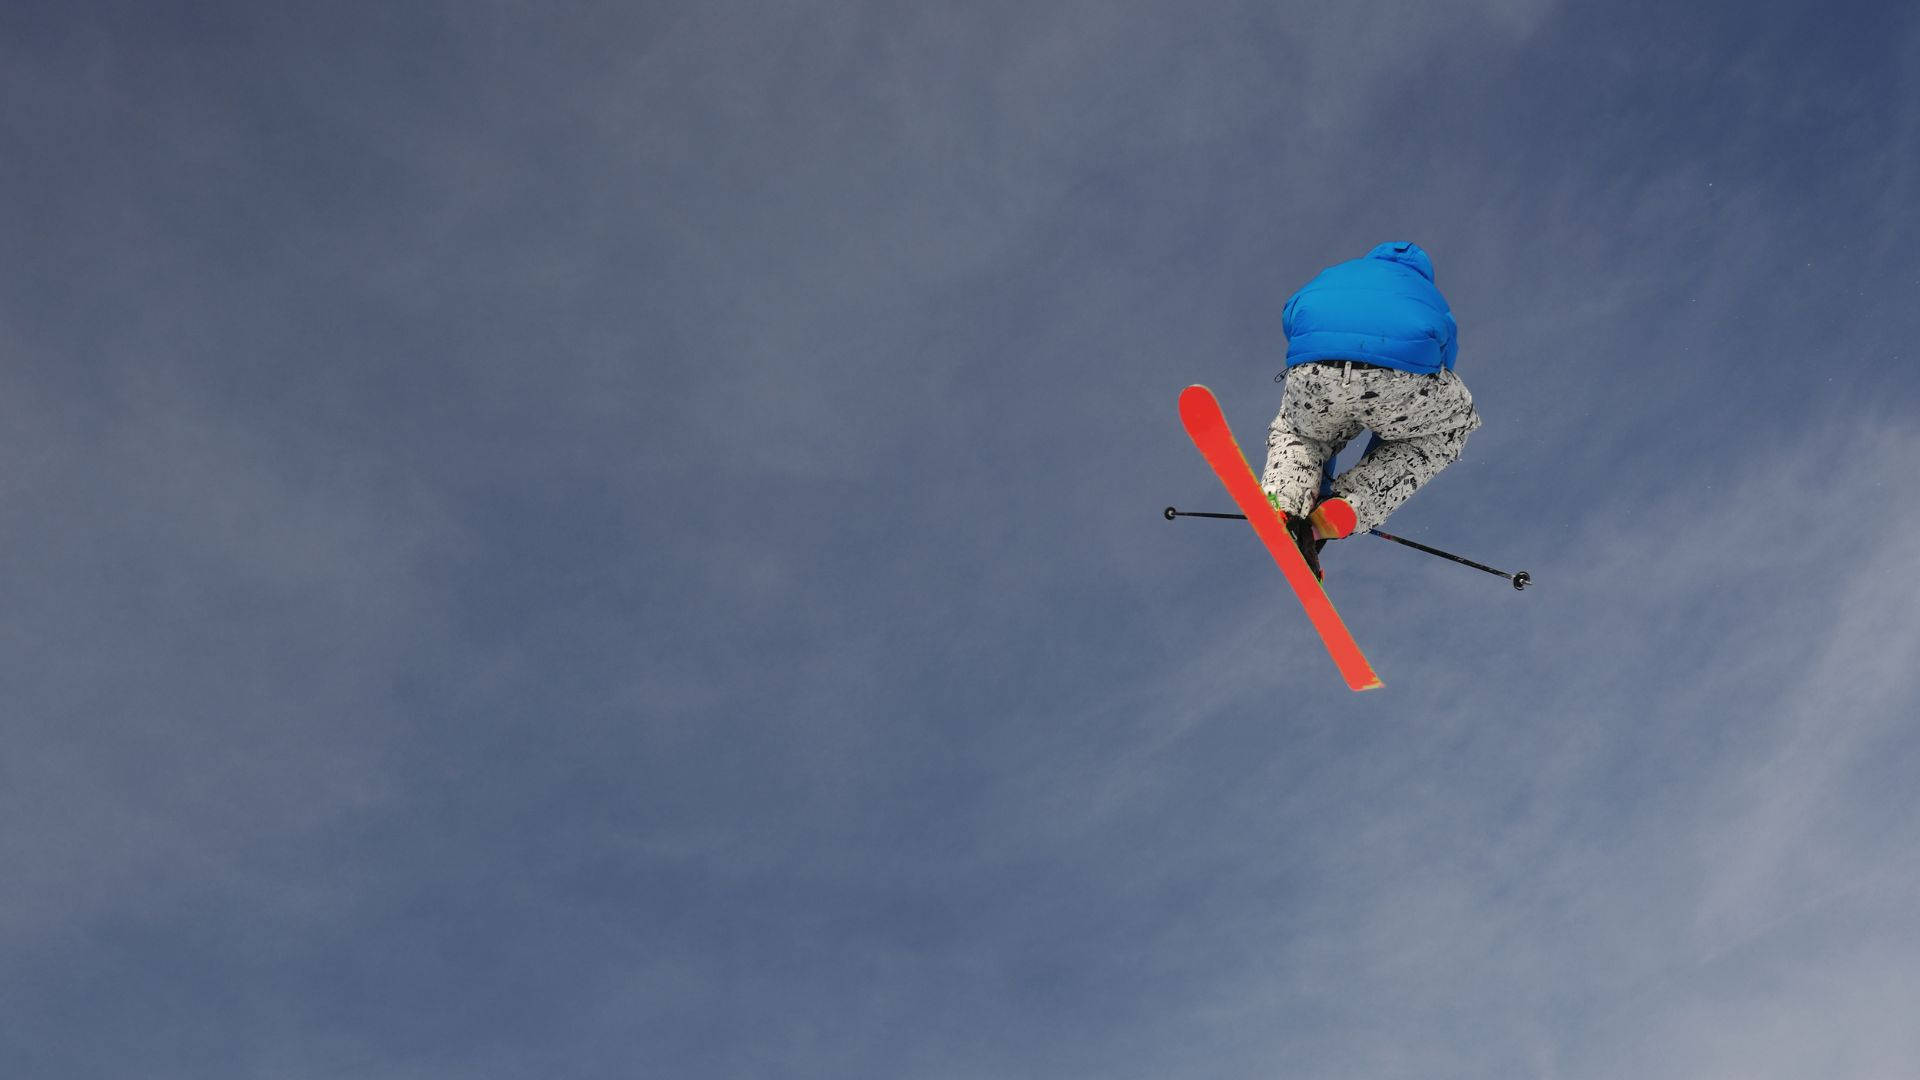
(1371, 344)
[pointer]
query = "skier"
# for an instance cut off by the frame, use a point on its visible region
(1370, 344)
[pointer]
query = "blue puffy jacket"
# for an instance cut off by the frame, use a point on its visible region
(1382, 309)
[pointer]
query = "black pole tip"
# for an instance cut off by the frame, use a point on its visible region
(1170, 512)
(1522, 579)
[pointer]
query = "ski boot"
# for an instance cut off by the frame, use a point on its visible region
(1310, 545)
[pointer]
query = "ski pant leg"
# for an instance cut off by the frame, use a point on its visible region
(1421, 424)
(1314, 422)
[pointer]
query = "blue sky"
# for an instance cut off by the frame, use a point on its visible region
(609, 541)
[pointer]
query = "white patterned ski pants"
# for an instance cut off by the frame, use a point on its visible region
(1421, 423)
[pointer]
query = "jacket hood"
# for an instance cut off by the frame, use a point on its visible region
(1406, 254)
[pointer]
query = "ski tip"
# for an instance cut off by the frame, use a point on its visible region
(1198, 406)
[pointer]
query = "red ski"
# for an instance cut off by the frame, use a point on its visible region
(1207, 426)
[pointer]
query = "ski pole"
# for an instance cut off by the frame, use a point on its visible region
(1520, 580)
